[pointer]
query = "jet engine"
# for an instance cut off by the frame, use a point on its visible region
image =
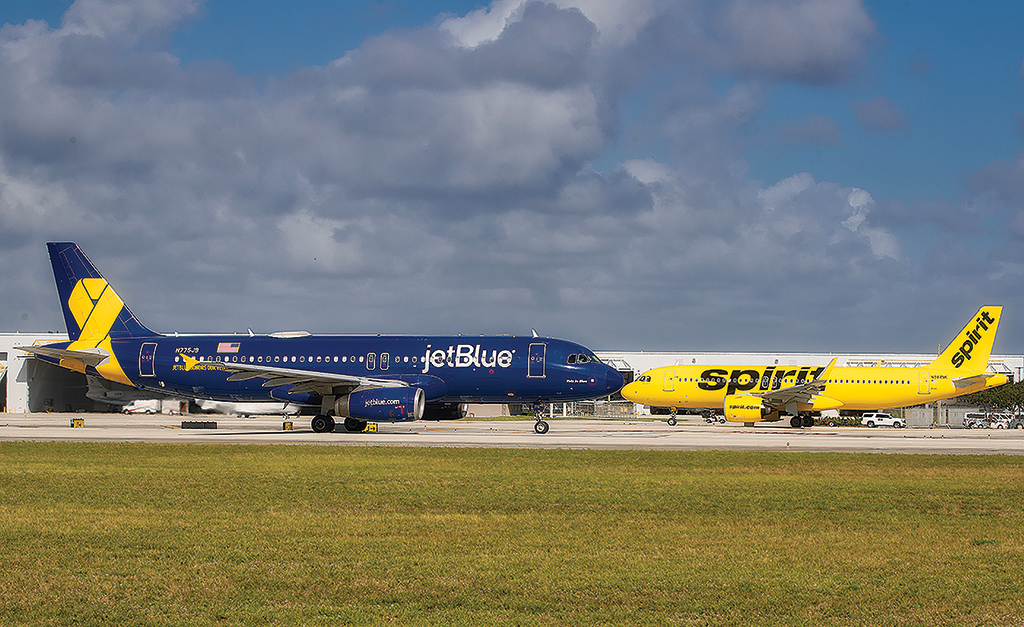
(386, 404)
(747, 408)
(445, 411)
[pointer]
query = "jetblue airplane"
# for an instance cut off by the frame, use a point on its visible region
(358, 378)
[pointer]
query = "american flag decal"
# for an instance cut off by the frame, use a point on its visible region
(228, 347)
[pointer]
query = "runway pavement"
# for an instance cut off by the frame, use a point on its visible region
(640, 434)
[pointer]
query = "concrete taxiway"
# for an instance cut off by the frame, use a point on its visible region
(640, 434)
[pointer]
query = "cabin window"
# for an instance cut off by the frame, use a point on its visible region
(371, 361)
(385, 361)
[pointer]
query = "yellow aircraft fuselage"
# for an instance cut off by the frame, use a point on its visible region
(763, 393)
(854, 388)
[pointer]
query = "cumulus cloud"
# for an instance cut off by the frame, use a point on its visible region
(811, 42)
(444, 179)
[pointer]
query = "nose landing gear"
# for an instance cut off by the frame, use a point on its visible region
(541, 426)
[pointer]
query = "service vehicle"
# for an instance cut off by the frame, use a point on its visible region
(881, 419)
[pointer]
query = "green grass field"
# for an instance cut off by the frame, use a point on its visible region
(144, 534)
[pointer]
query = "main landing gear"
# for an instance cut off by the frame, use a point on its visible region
(354, 425)
(322, 423)
(805, 420)
(541, 427)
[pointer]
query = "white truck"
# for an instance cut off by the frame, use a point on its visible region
(879, 419)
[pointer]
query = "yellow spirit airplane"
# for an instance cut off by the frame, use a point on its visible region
(750, 394)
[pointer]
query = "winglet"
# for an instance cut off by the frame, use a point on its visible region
(826, 373)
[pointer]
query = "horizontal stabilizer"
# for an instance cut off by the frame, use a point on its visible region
(966, 382)
(88, 356)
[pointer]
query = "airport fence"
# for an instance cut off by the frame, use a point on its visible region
(581, 409)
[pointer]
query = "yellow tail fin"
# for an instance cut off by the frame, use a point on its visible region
(970, 349)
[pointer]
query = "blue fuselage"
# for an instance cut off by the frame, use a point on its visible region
(458, 369)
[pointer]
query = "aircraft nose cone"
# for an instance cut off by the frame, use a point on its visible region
(629, 391)
(613, 381)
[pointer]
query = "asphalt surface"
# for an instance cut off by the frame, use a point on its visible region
(639, 434)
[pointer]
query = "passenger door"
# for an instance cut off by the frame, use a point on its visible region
(147, 359)
(535, 368)
(669, 385)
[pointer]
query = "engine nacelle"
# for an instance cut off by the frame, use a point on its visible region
(747, 408)
(445, 411)
(384, 404)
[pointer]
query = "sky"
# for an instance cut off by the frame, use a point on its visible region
(658, 175)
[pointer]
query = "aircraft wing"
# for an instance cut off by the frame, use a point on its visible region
(966, 382)
(802, 393)
(324, 383)
(89, 357)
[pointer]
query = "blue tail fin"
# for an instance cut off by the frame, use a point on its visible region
(92, 309)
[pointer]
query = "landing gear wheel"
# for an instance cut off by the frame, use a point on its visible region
(541, 426)
(354, 426)
(808, 421)
(322, 423)
(795, 422)
(671, 421)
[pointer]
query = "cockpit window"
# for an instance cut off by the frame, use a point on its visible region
(572, 359)
(583, 358)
